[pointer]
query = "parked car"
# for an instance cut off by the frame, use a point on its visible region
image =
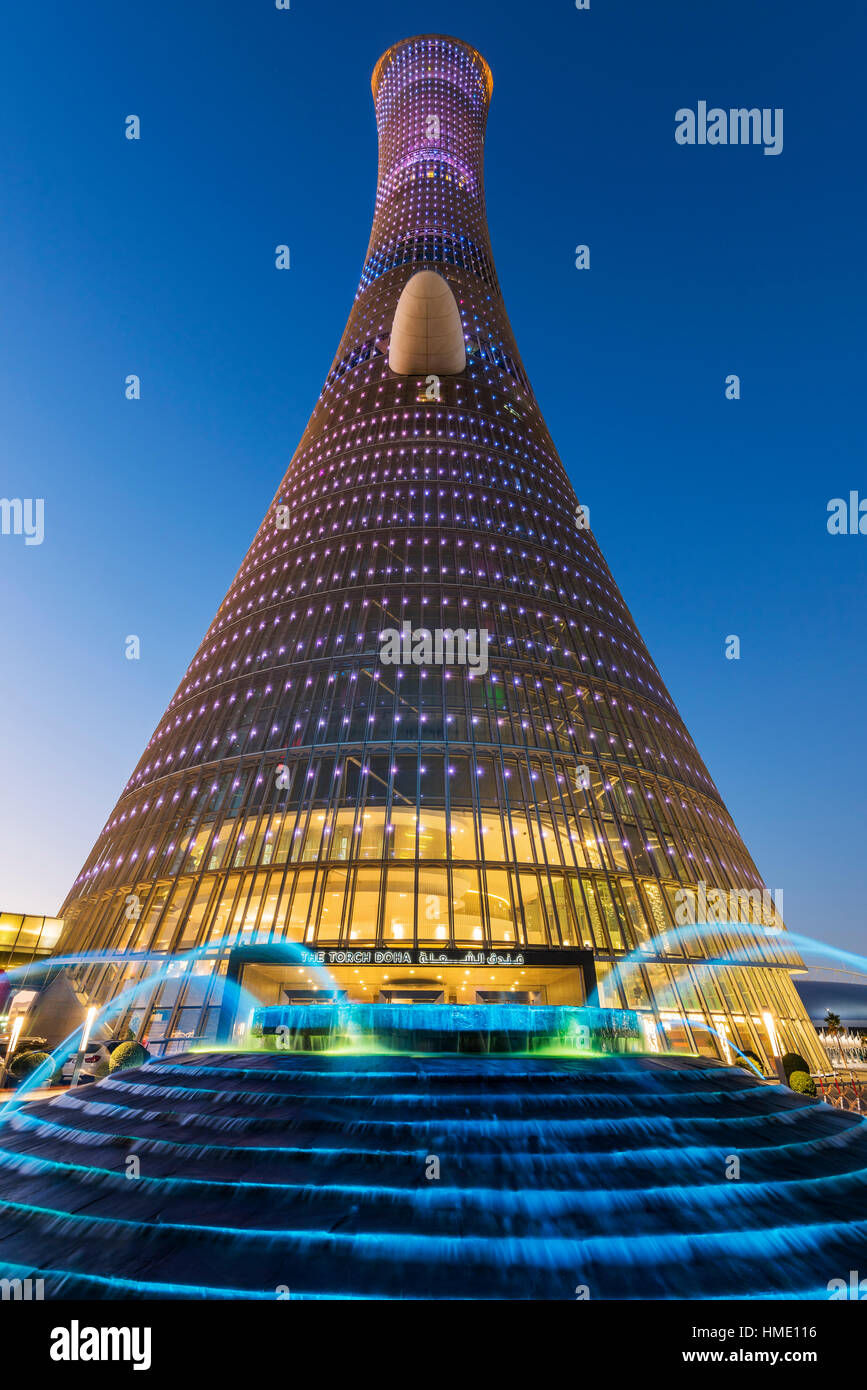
(96, 1052)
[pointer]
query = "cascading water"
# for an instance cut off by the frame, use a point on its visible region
(372, 1173)
(446, 1028)
(432, 1177)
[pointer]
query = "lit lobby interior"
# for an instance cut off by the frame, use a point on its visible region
(271, 984)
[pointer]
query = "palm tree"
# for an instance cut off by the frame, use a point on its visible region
(832, 1023)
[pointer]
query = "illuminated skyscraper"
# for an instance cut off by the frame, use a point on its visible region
(333, 770)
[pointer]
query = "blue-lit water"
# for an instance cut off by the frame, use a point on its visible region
(243, 1006)
(447, 1177)
(440, 1027)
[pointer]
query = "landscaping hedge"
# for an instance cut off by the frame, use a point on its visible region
(803, 1083)
(129, 1054)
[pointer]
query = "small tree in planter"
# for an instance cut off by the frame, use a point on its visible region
(24, 1064)
(129, 1054)
(751, 1057)
(803, 1083)
(793, 1061)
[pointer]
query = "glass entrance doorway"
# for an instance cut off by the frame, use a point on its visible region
(537, 985)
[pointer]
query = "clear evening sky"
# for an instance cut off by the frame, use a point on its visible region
(156, 257)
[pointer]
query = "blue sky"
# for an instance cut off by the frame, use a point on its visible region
(156, 258)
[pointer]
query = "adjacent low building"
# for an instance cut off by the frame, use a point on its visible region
(27, 941)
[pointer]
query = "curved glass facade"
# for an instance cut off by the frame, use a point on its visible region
(528, 782)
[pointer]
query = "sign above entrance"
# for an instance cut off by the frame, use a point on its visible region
(406, 956)
(449, 956)
(293, 952)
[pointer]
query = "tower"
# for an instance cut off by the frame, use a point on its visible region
(423, 718)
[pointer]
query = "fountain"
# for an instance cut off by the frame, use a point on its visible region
(383, 1175)
(503, 1151)
(437, 1028)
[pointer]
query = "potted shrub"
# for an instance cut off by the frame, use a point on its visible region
(25, 1063)
(793, 1061)
(803, 1083)
(129, 1054)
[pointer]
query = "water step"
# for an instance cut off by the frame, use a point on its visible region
(307, 1170)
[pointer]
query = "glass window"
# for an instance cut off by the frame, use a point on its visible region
(535, 925)
(365, 905)
(299, 911)
(399, 918)
(432, 837)
(501, 911)
(468, 912)
(169, 919)
(196, 914)
(433, 904)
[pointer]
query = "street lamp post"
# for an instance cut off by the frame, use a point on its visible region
(85, 1035)
(13, 1043)
(768, 1020)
